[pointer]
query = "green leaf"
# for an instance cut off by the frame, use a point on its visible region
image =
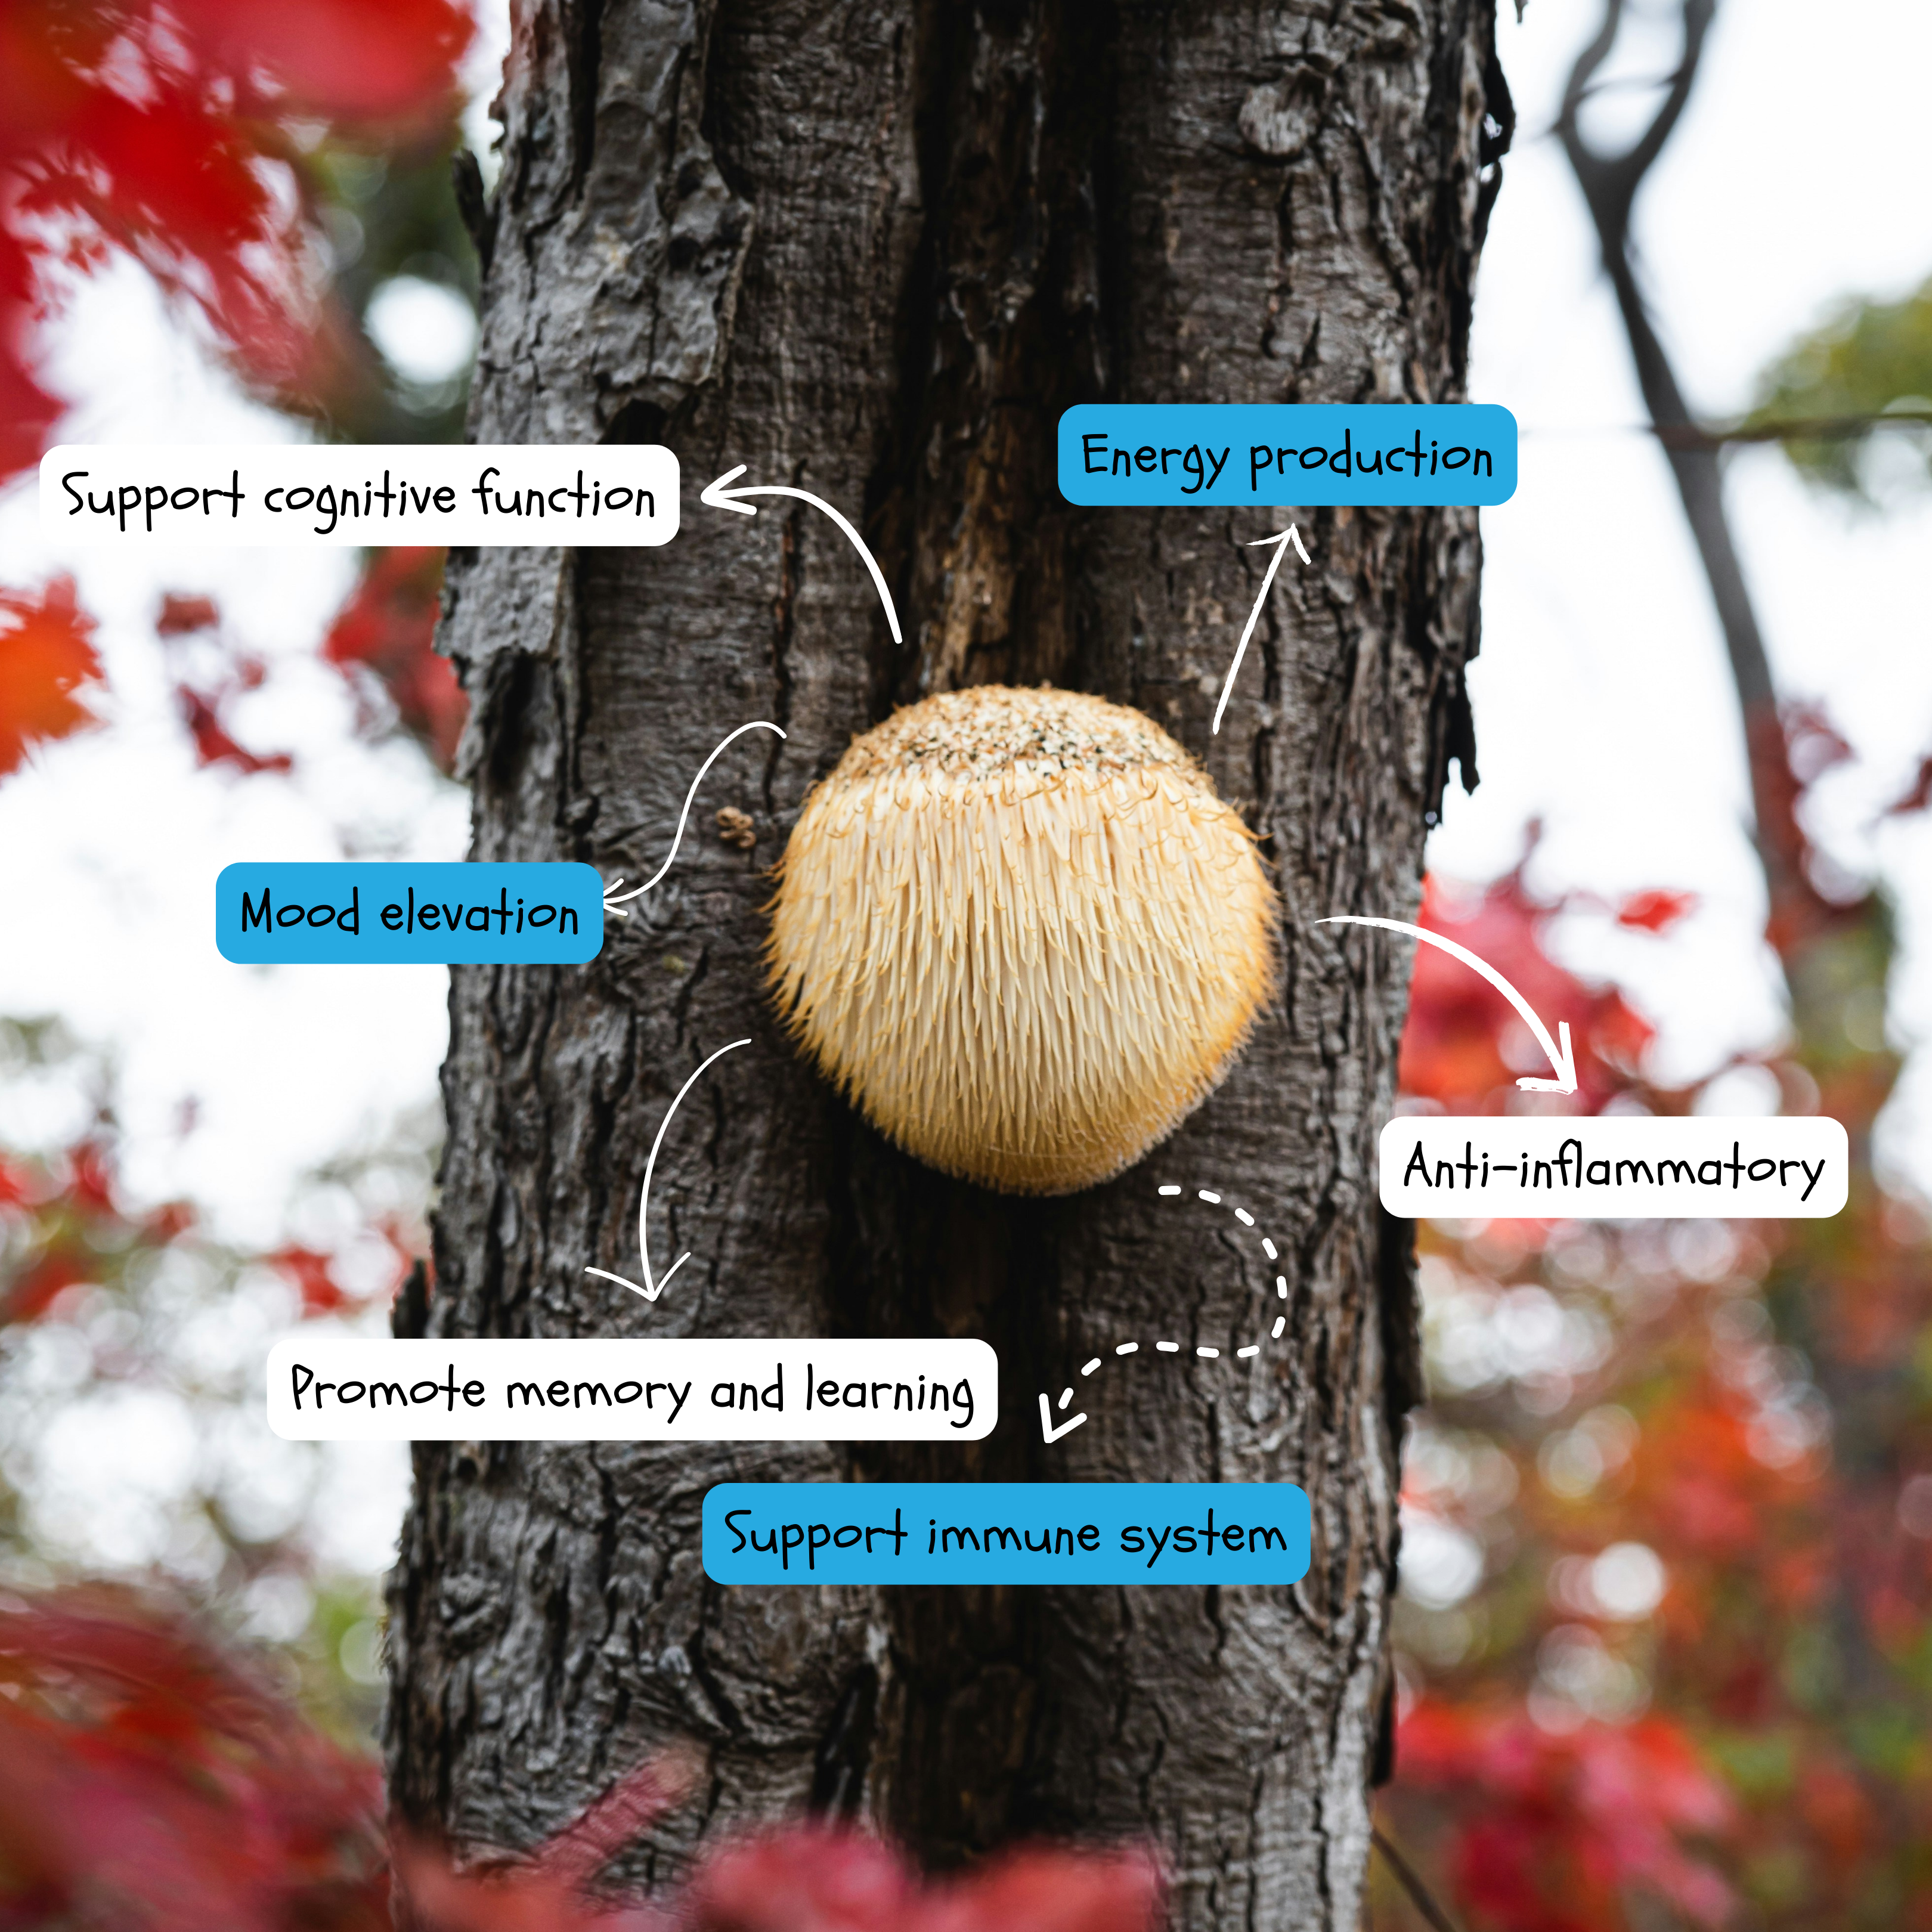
(1871, 359)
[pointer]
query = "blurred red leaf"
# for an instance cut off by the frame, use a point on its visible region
(213, 743)
(1837, 1810)
(806, 1881)
(356, 60)
(35, 1288)
(45, 653)
(830, 1881)
(1917, 796)
(223, 674)
(182, 615)
(90, 1186)
(577, 1853)
(797, 1879)
(310, 1271)
(442, 1900)
(1655, 911)
(28, 412)
(168, 1222)
(1557, 1826)
(147, 1782)
(803, 1878)
(387, 629)
(1051, 1889)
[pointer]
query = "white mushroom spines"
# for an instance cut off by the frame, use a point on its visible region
(1021, 931)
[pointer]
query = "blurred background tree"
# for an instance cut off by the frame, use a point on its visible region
(1669, 1642)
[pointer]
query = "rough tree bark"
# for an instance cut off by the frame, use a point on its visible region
(874, 248)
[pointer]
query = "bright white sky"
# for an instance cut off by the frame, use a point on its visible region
(1602, 705)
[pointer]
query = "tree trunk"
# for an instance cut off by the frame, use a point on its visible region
(873, 249)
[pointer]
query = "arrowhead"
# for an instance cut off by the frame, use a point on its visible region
(1291, 535)
(1050, 1434)
(719, 498)
(1564, 1060)
(649, 1294)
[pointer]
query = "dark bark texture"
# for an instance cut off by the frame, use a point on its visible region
(873, 249)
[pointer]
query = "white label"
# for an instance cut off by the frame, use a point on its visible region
(334, 494)
(494, 1390)
(1623, 1167)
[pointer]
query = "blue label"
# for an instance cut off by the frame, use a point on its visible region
(1005, 1533)
(1287, 454)
(360, 914)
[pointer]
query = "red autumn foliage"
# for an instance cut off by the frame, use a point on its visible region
(1568, 1821)
(382, 641)
(149, 1783)
(386, 630)
(33, 1290)
(1743, 1411)
(803, 1881)
(65, 1223)
(225, 674)
(792, 1878)
(1703, 1488)
(46, 654)
(1463, 1046)
(172, 132)
(797, 1878)
(159, 128)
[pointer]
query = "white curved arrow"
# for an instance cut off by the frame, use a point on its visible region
(1281, 540)
(720, 498)
(1562, 1058)
(652, 1288)
(611, 904)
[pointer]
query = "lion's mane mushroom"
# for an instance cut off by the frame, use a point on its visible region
(1019, 929)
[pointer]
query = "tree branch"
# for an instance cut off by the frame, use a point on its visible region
(1610, 184)
(1787, 429)
(1410, 1879)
